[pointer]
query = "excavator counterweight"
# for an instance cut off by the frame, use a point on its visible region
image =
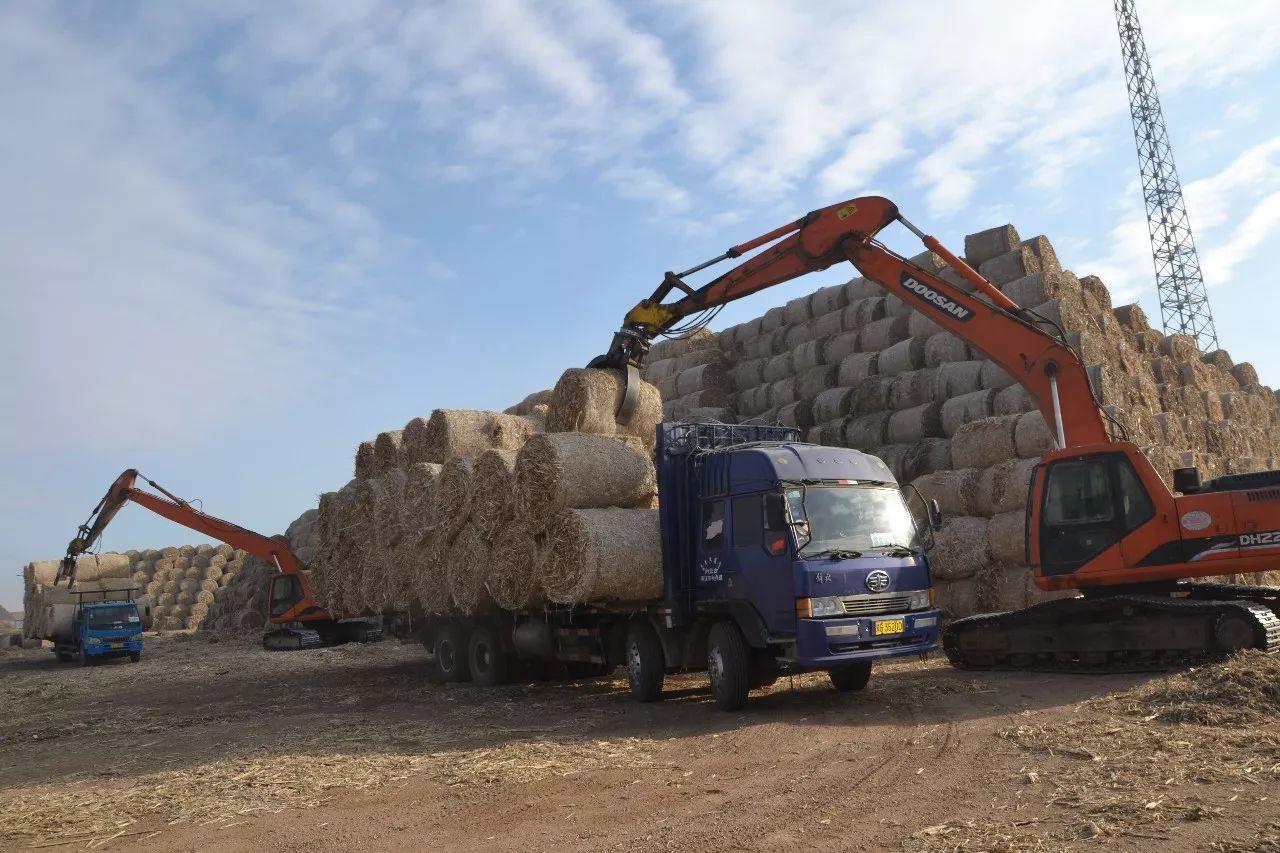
(1099, 519)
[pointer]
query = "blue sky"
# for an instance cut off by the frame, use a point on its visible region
(236, 240)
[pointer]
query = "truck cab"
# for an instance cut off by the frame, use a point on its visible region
(811, 553)
(102, 630)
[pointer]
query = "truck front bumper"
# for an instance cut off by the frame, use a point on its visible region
(108, 648)
(824, 643)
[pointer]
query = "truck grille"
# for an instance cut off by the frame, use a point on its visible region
(874, 605)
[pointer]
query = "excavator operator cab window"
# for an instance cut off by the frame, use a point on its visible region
(1089, 504)
(285, 593)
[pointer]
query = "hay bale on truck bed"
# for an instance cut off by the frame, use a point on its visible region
(513, 581)
(464, 432)
(598, 555)
(469, 567)
(493, 490)
(586, 400)
(557, 471)
(452, 503)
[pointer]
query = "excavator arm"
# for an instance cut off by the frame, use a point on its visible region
(124, 490)
(992, 323)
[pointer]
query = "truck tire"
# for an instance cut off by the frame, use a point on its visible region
(85, 660)
(646, 662)
(850, 677)
(65, 657)
(728, 666)
(451, 654)
(488, 662)
(134, 657)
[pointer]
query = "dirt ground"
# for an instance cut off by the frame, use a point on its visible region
(223, 746)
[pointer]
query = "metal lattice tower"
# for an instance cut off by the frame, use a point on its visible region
(1184, 304)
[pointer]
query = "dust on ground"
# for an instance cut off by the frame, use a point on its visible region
(224, 746)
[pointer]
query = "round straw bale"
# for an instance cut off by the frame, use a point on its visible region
(864, 312)
(871, 395)
(225, 579)
(166, 599)
(920, 326)
(781, 341)
(959, 377)
(815, 380)
(908, 354)
(209, 586)
(365, 464)
(927, 457)
(493, 490)
(99, 567)
(911, 425)
(1007, 538)
(1004, 487)
(654, 371)
(783, 392)
(388, 507)
(667, 388)
(428, 570)
(862, 288)
(882, 334)
(189, 585)
(913, 388)
(981, 444)
(1013, 400)
(955, 491)
(185, 597)
(832, 404)
(798, 415)
(748, 373)
(995, 377)
(960, 548)
(779, 367)
(839, 347)
(797, 335)
(896, 457)
(797, 310)
(808, 355)
(138, 578)
(451, 504)
(985, 245)
(867, 431)
(419, 494)
(701, 377)
(827, 325)
(773, 319)
(829, 299)
(557, 471)
(830, 433)
(388, 451)
(753, 401)
(204, 597)
(513, 581)
(856, 367)
(595, 555)
(191, 573)
(895, 307)
(586, 400)
(469, 563)
(943, 348)
(201, 559)
(974, 406)
(1031, 436)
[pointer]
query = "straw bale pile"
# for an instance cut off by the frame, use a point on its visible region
(853, 366)
(459, 521)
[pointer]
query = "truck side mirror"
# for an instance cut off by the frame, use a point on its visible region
(935, 514)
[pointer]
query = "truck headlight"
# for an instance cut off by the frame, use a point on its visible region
(832, 605)
(921, 600)
(92, 641)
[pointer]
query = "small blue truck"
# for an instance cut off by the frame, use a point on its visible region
(101, 630)
(778, 556)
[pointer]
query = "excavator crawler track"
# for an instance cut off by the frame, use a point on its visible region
(291, 640)
(1122, 633)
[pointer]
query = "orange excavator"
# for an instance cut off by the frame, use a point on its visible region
(1099, 519)
(296, 620)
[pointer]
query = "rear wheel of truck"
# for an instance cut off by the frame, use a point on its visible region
(850, 677)
(134, 657)
(646, 663)
(451, 654)
(728, 666)
(490, 665)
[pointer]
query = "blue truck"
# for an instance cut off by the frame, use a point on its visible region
(100, 630)
(778, 556)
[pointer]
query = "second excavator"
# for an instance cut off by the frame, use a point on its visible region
(1099, 518)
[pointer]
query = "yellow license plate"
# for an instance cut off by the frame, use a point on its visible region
(117, 645)
(890, 626)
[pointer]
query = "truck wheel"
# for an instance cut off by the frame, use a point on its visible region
(65, 657)
(134, 657)
(728, 666)
(850, 677)
(646, 663)
(489, 663)
(451, 654)
(85, 660)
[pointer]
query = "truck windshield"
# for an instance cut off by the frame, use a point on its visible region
(107, 618)
(851, 518)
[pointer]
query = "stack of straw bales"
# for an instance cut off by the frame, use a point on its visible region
(852, 366)
(464, 511)
(183, 582)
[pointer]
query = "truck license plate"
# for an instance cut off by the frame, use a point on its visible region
(890, 626)
(117, 645)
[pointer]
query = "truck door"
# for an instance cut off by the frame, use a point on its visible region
(762, 560)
